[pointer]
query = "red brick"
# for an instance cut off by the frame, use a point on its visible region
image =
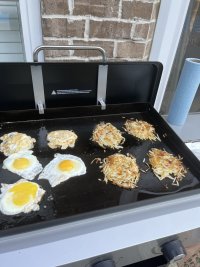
(148, 49)
(151, 30)
(68, 59)
(108, 46)
(56, 53)
(110, 29)
(130, 49)
(137, 9)
(98, 8)
(54, 7)
(63, 28)
(141, 31)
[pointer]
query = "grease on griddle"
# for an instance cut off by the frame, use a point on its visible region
(147, 165)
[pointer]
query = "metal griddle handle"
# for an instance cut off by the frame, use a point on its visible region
(68, 47)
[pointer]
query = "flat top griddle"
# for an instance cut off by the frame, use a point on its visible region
(88, 193)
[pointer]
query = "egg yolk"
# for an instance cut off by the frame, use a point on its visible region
(66, 165)
(21, 163)
(23, 193)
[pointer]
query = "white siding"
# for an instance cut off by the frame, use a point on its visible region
(11, 48)
(8, 11)
(9, 25)
(10, 36)
(11, 44)
(11, 57)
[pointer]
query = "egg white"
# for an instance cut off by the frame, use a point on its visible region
(55, 175)
(7, 206)
(28, 173)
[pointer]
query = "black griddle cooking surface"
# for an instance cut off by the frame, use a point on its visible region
(88, 192)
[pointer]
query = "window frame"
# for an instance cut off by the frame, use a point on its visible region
(169, 26)
(30, 12)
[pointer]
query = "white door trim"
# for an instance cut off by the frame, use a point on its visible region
(31, 27)
(171, 18)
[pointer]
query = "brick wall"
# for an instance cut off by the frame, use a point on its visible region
(124, 28)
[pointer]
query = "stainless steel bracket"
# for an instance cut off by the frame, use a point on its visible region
(102, 74)
(68, 47)
(38, 88)
(102, 85)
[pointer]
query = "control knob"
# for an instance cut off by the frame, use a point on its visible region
(173, 250)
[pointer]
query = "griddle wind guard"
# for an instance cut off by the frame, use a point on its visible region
(49, 85)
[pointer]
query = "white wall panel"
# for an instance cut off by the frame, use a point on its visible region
(8, 3)
(10, 36)
(11, 57)
(8, 12)
(9, 25)
(11, 48)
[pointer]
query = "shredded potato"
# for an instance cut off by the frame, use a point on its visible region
(61, 139)
(164, 165)
(141, 129)
(121, 170)
(107, 135)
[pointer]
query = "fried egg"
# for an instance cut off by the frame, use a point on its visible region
(24, 164)
(22, 196)
(14, 142)
(63, 167)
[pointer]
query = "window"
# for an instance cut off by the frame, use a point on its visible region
(11, 40)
